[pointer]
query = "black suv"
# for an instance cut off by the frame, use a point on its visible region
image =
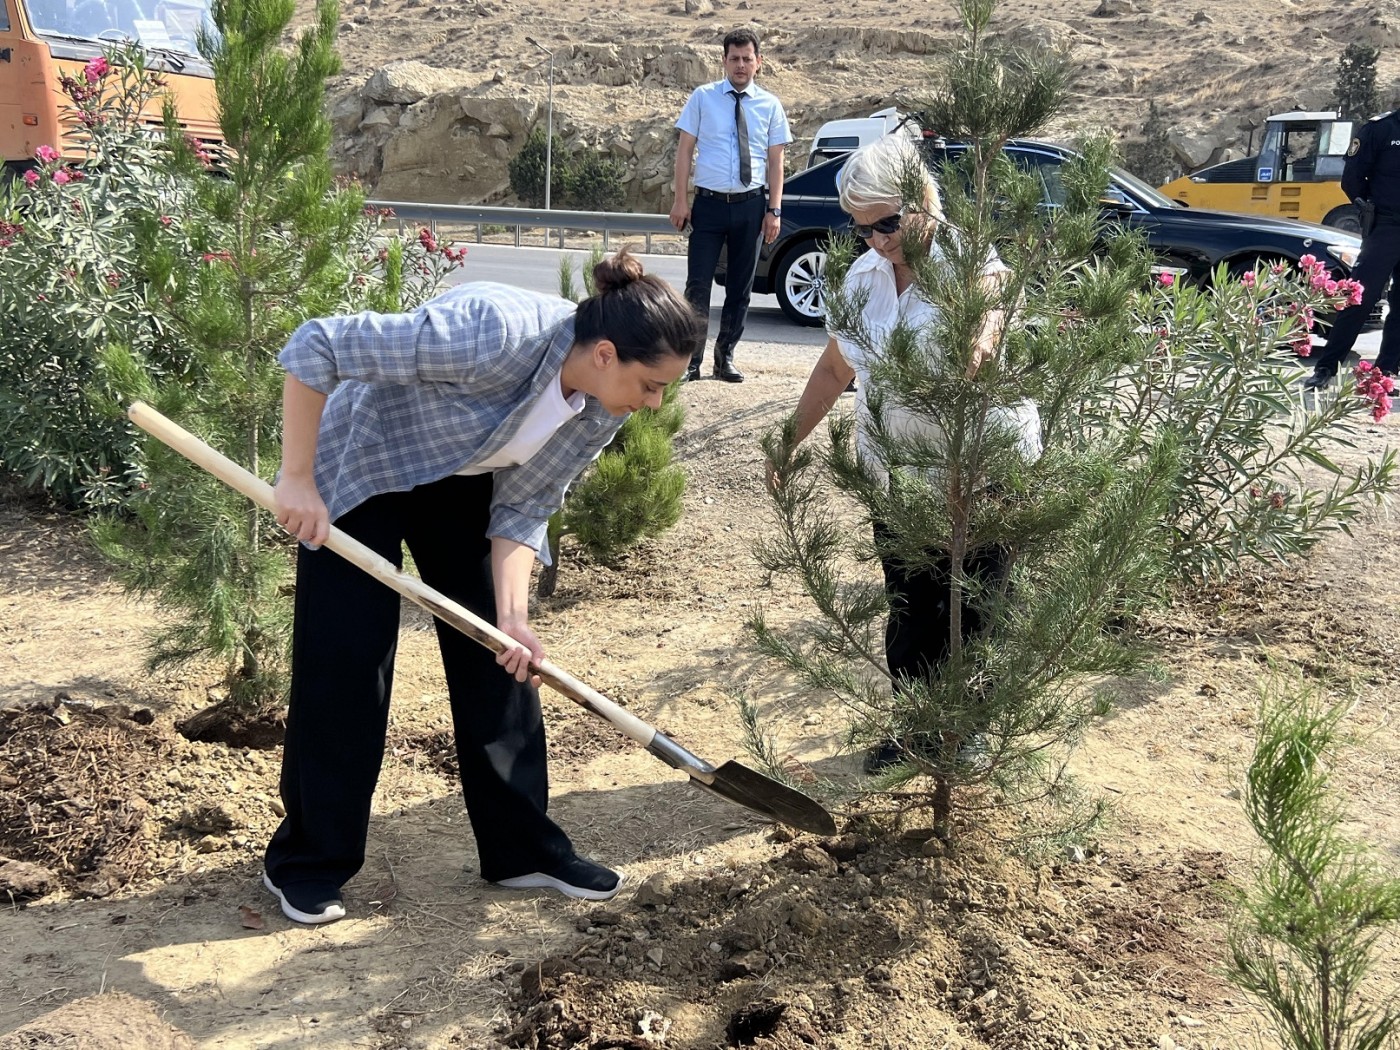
(1188, 241)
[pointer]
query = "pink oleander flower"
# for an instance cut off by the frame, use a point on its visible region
(46, 154)
(224, 256)
(1276, 500)
(1352, 290)
(96, 69)
(1278, 268)
(1307, 262)
(427, 240)
(1166, 280)
(31, 177)
(1248, 279)
(113, 279)
(1375, 386)
(166, 220)
(1302, 346)
(61, 176)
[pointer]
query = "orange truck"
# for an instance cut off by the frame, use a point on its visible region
(43, 40)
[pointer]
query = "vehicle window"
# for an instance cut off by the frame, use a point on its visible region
(171, 24)
(838, 142)
(4, 17)
(817, 181)
(1047, 169)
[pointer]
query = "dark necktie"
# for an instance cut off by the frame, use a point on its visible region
(745, 161)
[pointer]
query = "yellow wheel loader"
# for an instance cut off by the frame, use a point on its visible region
(1295, 175)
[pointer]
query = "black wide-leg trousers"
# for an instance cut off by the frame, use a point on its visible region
(919, 631)
(344, 641)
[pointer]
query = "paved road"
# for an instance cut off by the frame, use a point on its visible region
(538, 269)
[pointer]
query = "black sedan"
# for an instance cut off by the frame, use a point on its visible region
(1188, 241)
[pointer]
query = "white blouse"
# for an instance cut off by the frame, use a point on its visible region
(885, 307)
(550, 411)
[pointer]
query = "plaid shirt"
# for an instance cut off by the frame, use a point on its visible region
(415, 397)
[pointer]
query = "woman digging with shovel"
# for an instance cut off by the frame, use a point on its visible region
(454, 429)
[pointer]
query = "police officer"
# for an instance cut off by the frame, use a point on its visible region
(1371, 177)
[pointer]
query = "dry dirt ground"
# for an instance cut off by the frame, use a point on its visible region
(736, 933)
(1210, 67)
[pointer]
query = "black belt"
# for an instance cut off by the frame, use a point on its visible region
(729, 198)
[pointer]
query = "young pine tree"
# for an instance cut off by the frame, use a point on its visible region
(635, 488)
(242, 256)
(1307, 931)
(1074, 529)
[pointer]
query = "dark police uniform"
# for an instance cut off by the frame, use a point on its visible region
(1372, 173)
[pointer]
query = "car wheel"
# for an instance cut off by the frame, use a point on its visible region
(1345, 218)
(798, 282)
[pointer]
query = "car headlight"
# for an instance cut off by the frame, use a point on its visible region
(1346, 254)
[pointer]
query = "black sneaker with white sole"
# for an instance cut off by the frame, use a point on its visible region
(574, 877)
(308, 902)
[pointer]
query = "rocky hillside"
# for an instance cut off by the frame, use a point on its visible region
(436, 97)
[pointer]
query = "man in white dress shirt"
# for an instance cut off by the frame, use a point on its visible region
(741, 131)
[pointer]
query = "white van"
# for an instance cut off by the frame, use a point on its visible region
(837, 137)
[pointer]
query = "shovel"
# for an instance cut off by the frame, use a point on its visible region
(731, 781)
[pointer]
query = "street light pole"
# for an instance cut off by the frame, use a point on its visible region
(549, 123)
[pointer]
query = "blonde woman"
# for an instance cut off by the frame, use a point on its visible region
(872, 182)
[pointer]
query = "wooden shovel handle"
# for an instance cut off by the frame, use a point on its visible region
(412, 588)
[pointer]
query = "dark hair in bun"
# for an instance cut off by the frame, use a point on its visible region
(638, 312)
(617, 271)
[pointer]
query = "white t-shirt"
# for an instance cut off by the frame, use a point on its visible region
(884, 309)
(550, 411)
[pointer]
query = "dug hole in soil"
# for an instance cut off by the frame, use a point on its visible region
(132, 855)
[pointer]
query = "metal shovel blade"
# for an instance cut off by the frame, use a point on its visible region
(750, 789)
(739, 783)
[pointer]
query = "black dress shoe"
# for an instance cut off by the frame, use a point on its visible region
(1318, 380)
(691, 374)
(728, 372)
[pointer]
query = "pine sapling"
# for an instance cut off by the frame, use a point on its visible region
(1307, 930)
(635, 488)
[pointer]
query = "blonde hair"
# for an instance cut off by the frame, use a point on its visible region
(879, 174)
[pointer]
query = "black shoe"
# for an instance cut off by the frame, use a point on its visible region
(691, 374)
(574, 877)
(308, 902)
(973, 753)
(880, 757)
(1318, 380)
(852, 386)
(728, 372)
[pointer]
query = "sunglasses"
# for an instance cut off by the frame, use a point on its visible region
(888, 225)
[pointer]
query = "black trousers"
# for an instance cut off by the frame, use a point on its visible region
(738, 229)
(919, 631)
(344, 641)
(1379, 262)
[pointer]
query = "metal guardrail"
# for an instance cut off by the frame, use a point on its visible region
(519, 219)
